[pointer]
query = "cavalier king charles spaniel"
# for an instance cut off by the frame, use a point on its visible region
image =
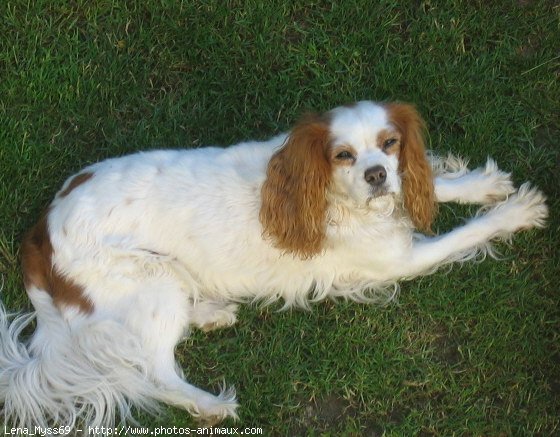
(134, 252)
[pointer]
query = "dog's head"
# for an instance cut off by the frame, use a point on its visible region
(361, 152)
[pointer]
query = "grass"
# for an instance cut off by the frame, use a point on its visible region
(471, 351)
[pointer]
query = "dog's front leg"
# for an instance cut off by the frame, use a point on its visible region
(523, 210)
(484, 185)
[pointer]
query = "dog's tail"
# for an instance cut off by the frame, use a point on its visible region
(75, 378)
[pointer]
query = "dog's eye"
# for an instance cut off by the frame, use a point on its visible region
(345, 154)
(389, 143)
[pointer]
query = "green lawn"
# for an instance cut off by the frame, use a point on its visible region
(473, 351)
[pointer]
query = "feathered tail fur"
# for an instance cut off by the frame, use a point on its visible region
(65, 378)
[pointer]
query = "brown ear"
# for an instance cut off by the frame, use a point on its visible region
(293, 196)
(417, 178)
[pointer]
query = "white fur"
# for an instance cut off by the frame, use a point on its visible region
(165, 240)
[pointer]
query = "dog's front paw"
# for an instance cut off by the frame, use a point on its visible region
(523, 210)
(493, 184)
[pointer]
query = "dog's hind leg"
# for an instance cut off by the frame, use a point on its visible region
(210, 315)
(175, 390)
(161, 314)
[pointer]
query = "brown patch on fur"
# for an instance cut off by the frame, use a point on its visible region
(418, 183)
(76, 181)
(38, 271)
(293, 197)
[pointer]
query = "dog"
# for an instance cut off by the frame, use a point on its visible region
(135, 251)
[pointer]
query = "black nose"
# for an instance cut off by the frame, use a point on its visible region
(375, 176)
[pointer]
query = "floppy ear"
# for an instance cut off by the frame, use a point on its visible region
(293, 196)
(417, 178)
